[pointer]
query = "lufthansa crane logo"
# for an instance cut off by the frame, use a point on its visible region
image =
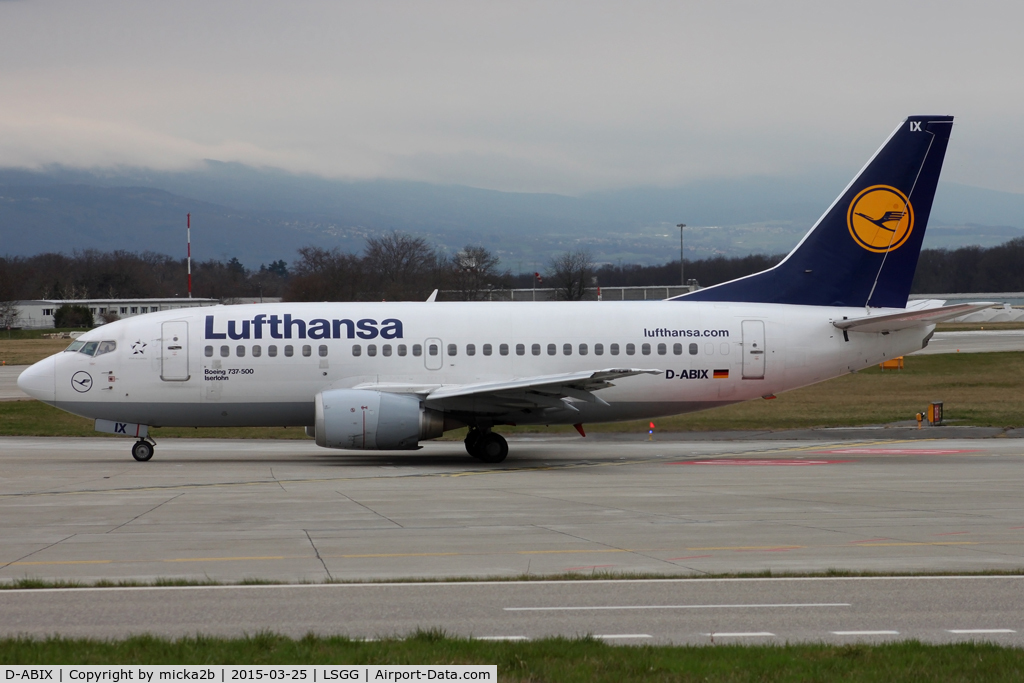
(81, 381)
(880, 218)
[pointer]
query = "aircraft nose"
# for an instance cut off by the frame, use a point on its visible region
(38, 381)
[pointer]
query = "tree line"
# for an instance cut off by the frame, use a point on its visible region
(398, 266)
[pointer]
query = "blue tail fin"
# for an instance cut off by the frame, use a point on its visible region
(864, 250)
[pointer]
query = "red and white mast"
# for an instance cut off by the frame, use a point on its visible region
(188, 239)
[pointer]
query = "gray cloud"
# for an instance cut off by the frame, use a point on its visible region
(563, 97)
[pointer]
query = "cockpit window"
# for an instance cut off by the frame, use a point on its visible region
(75, 345)
(89, 348)
(106, 347)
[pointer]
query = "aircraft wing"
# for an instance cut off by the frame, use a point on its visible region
(545, 391)
(907, 319)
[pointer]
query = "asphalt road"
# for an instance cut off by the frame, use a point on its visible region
(938, 609)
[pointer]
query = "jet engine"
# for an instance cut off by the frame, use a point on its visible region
(374, 420)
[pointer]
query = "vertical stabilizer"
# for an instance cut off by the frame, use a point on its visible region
(864, 250)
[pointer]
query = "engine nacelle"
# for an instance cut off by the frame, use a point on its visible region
(374, 420)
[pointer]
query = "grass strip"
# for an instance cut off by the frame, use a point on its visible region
(978, 389)
(551, 659)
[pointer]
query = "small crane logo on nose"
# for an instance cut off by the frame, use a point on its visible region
(81, 381)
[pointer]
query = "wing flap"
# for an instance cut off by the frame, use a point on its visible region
(549, 391)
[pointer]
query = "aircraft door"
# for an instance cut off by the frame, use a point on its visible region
(433, 354)
(753, 349)
(174, 351)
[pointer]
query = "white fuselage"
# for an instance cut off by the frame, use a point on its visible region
(233, 365)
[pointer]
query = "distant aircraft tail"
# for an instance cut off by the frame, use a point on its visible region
(863, 251)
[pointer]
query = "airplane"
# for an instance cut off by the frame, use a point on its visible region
(388, 375)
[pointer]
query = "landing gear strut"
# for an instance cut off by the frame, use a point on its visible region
(142, 450)
(486, 446)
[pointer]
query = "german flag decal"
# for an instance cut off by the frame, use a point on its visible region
(721, 374)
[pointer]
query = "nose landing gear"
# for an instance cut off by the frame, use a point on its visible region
(143, 450)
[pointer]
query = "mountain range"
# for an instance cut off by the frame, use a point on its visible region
(262, 215)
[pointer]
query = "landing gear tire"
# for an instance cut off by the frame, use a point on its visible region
(491, 448)
(142, 451)
(472, 440)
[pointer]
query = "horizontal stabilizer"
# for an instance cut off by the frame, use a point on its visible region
(908, 319)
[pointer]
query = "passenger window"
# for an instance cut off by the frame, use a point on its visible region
(433, 349)
(662, 349)
(386, 350)
(257, 351)
(630, 349)
(417, 350)
(289, 350)
(645, 349)
(240, 351)
(709, 348)
(552, 349)
(614, 348)
(272, 351)
(453, 350)
(677, 349)
(598, 349)
(90, 348)
(535, 349)
(487, 349)
(106, 347)
(724, 349)
(403, 350)
(503, 350)
(566, 349)
(371, 349)
(583, 349)
(225, 351)
(521, 350)
(322, 350)
(470, 349)
(307, 350)
(357, 350)
(75, 345)
(693, 349)
(208, 351)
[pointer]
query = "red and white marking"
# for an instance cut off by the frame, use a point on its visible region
(760, 463)
(897, 451)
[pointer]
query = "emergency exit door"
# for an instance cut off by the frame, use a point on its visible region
(753, 349)
(433, 354)
(174, 351)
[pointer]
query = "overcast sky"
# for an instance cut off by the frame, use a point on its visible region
(547, 96)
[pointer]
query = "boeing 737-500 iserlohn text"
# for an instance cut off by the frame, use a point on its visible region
(385, 376)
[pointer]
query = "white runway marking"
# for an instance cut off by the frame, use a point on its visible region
(622, 607)
(750, 634)
(624, 636)
(512, 638)
(969, 631)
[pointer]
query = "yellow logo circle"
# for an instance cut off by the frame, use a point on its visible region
(880, 218)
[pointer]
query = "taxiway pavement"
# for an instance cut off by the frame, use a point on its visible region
(9, 390)
(974, 341)
(82, 509)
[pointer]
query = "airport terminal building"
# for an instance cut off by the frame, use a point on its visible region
(37, 314)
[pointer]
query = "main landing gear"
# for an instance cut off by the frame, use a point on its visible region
(143, 450)
(486, 446)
